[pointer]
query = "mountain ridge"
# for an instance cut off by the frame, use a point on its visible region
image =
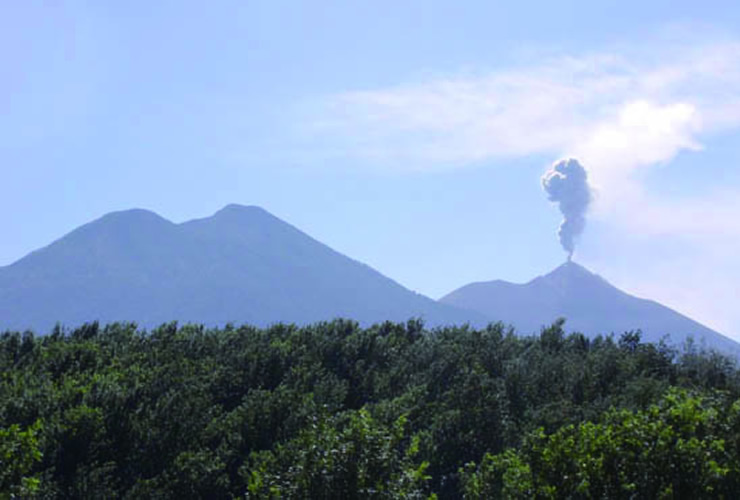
(241, 265)
(590, 304)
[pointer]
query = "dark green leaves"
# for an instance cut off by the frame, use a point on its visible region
(333, 410)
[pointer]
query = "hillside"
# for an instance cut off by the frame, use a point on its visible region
(335, 411)
(240, 265)
(590, 304)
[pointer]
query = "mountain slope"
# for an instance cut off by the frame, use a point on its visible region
(589, 303)
(240, 265)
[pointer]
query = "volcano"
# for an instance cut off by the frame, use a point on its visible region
(240, 265)
(590, 305)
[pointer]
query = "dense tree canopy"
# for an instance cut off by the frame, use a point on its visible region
(333, 410)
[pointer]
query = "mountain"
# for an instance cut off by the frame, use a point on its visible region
(588, 302)
(241, 265)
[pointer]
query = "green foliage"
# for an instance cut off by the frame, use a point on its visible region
(677, 447)
(348, 456)
(333, 410)
(19, 451)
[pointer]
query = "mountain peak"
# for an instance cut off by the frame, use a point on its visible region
(571, 275)
(590, 304)
(570, 267)
(241, 264)
(132, 215)
(117, 224)
(242, 214)
(235, 208)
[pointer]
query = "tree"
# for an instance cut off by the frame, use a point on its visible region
(676, 449)
(346, 457)
(19, 451)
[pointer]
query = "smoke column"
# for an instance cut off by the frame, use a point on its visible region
(567, 184)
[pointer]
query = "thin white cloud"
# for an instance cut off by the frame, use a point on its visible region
(644, 109)
(619, 112)
(616, 112)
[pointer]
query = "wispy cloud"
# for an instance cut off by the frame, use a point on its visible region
(616, 111)
(620, 112)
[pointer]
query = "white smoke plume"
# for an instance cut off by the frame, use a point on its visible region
(566, 183)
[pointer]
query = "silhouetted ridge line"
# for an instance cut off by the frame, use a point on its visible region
(589, 303)
(240, 265)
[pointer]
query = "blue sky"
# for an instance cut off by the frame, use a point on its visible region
(409, 135)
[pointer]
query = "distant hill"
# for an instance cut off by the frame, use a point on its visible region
(240, 265)
(588, 302)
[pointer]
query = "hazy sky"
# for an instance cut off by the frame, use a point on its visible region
(410, 135)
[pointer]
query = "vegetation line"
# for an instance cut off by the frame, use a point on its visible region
(332, 410)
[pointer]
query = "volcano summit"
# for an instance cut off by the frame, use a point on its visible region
(590, 304)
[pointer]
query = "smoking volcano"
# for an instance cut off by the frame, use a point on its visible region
(590, 304)
(566, 183)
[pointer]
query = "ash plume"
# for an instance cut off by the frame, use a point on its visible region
(566, 183)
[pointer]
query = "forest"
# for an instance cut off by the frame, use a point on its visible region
(337, 411)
